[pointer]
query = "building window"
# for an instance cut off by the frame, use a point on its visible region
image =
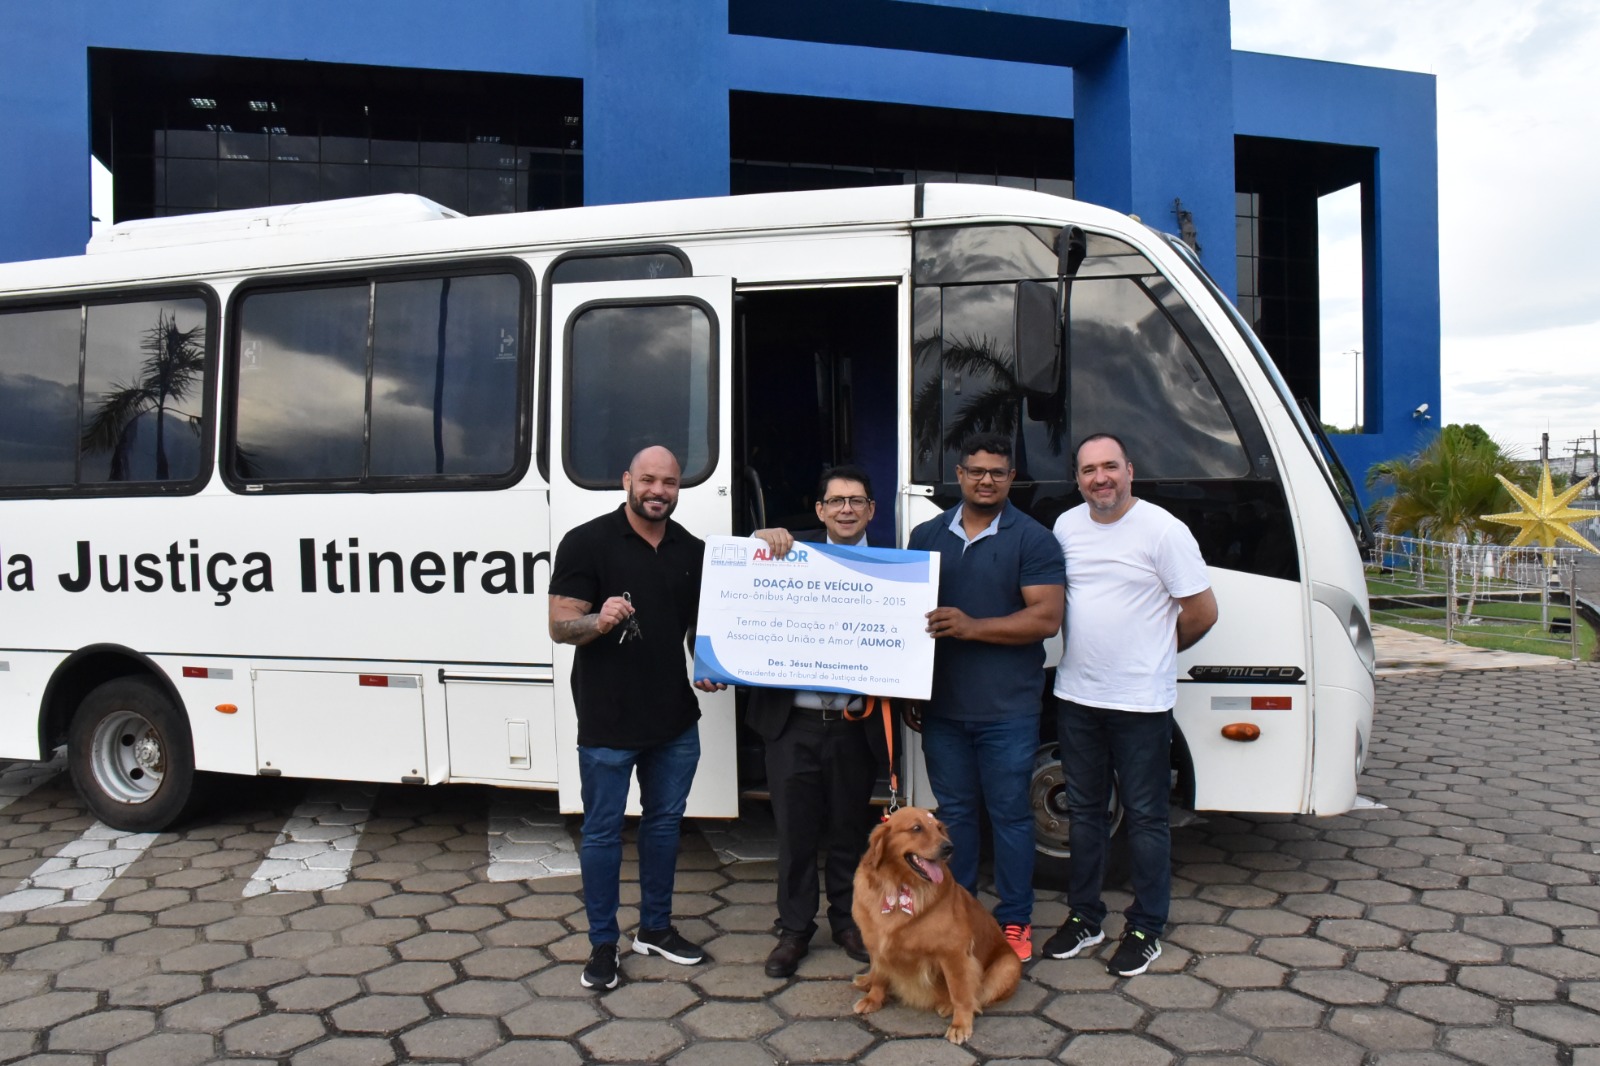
(782, 143)
(185, 133)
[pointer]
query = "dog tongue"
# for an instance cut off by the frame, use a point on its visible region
(935, 871)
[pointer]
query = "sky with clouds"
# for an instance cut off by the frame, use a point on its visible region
(1519, 155)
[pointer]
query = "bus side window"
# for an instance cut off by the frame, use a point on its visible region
(144, 388)
(39, 395)
(444, 376)
(135, 418)
(374, 381)
(302, 388)
(638, 375)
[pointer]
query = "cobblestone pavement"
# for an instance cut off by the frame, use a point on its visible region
(1460, 923)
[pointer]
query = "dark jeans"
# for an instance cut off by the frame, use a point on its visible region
(665, 773)
(987, 764)
(820, 774)
(1136, 745)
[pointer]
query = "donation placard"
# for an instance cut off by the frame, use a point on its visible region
(829, 617)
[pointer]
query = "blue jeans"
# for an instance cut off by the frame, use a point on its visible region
(1137, 746)
(665, 773)
(987, 763)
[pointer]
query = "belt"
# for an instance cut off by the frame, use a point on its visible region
(824, 714)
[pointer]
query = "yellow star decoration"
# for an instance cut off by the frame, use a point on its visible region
(1545, 518)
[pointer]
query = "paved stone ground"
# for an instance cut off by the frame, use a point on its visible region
(1459, 924)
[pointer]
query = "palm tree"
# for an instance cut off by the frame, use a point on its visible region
(996, 408)
(1443, 491)
(174, 365)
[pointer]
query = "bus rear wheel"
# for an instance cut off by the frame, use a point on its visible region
(1052, 823)
(130, 756)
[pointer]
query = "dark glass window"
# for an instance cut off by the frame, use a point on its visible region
(927, 368)
(103, 394)
(302, 383)
(191, 184)
(1133, 374)
(640, 375)
(444, 376)
(1130, 370)
(392, 378)
(39, 395)
(168, 125)
(144, 368)
(779, 142)
(620, 267)
(984, 253)
(241, 184)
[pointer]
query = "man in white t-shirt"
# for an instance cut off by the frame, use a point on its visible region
(1137, 594)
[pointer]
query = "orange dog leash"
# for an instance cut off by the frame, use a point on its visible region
(888, 739)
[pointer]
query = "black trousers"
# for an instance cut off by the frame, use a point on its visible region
(820, 774)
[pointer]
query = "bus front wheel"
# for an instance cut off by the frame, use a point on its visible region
(1052, 824)
(130, 755)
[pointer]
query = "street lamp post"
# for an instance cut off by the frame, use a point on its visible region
(1359, 419)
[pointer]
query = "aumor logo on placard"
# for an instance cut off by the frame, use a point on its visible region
(764, 555)
(728, 555)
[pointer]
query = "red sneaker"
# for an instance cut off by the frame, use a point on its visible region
(1020, 937)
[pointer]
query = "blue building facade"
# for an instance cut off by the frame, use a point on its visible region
(501, 105)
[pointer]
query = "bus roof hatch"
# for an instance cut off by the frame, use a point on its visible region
(390, 209)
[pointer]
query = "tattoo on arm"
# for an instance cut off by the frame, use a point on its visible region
(571, 621)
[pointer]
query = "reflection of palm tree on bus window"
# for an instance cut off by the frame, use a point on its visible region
(173, 368)
(983, 372)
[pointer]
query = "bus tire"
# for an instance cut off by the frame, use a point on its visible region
(131, 757)
(1052, 823)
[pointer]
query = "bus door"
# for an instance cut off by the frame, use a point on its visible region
(816, 376)
(636, 363)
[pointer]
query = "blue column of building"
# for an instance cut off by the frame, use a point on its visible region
(1153, 124)
(44, 131)
(655, 101)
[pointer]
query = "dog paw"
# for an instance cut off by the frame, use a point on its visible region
(868, 1004)
(958, 1033)
(861, 980)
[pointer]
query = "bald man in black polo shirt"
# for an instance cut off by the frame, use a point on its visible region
(625, 589)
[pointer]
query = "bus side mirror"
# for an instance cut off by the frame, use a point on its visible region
(1041, 363)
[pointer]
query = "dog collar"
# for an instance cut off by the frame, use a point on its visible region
(904, 901)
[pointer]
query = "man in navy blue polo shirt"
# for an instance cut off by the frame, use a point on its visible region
(1001, 581)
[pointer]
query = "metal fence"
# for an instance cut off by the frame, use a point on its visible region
(1523, 594)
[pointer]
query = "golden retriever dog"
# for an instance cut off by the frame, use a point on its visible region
(932, 945)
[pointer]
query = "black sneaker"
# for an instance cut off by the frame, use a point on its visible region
(669, 945)
(1135, 954)
(1076, 934)
(601, 970)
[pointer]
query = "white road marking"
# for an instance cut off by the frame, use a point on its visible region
(528, 838)
(82, 870)
(314, 851)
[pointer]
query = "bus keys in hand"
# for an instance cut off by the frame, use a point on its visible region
(631, 630)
